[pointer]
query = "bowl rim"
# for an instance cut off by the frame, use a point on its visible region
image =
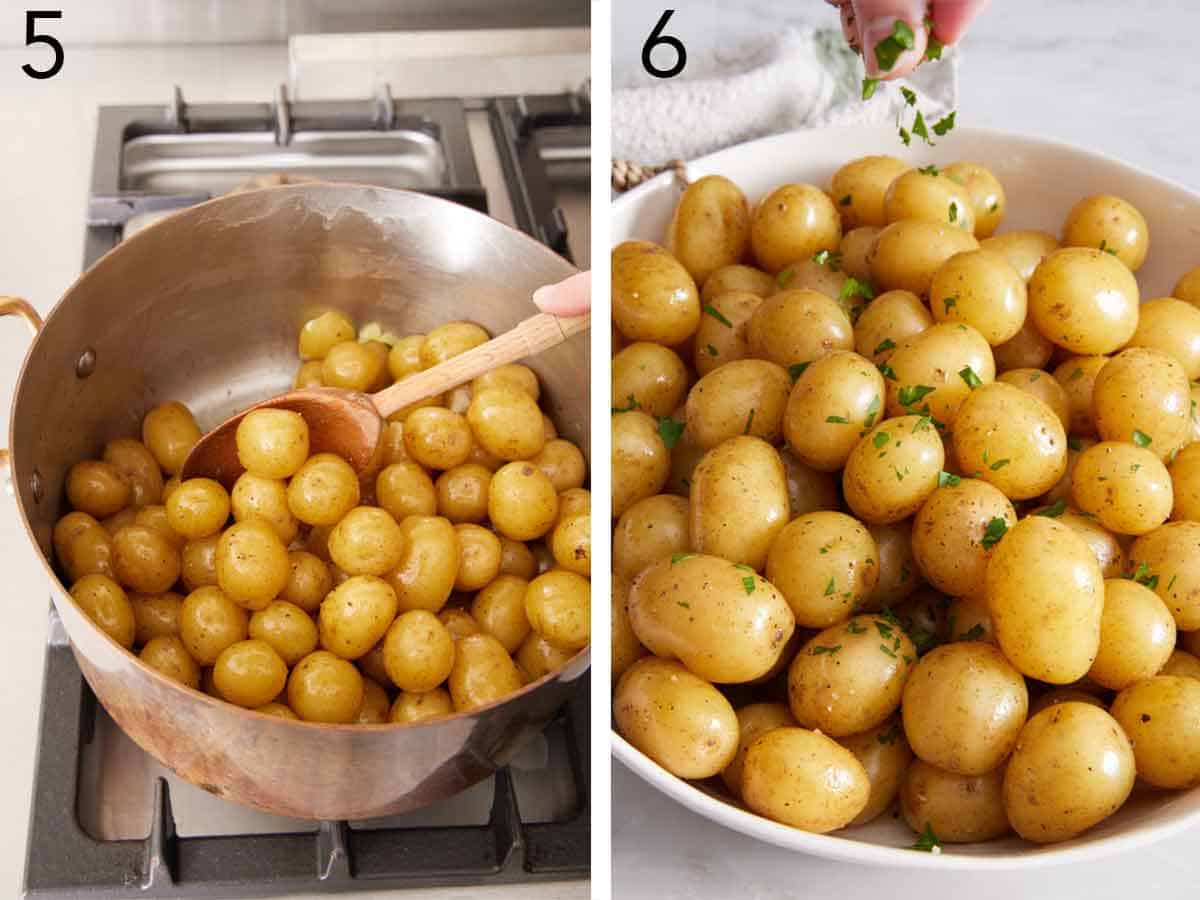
(835, 846)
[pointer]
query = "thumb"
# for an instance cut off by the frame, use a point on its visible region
(572, 297)
(874, 21)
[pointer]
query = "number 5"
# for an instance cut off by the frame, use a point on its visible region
(657, 38)
(32, 37)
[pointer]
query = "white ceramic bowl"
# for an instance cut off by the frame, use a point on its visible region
(1042, 180)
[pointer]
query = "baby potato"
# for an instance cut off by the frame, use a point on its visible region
(1185, 484)
(1172, 327)
(925, 195)
(803, 779)
(308, 581)
(753, 721)
(408, 708)
(563, 463)
(823, 274)
(355, 615)
(937, 369)
(500, 611)
(855, 250)
(736, 279)
(747, 396)
(887, 322)
(968, 619)
(1183, 664)
(513, 376)
(953, 535)
(144, 560)
(440, 439)
(571, 544)
(506, 423)
(893, 469)
(252, 563)
(325, 688)
(793, 222)
(626, 648)
(710, 227)
(867, 658)
(1167, 561)
(1110, 224)
(209, 622)
(1026, 349)
(155, 615)
(1045, 593)
(457, 621)
(1078, 375)
(367, 541)
(558, 605)
(404, 358)
(418, 651)
(1010, 439)
(824, 564)
(462, 493)
(908, 252)
(198, 508)
(958, 808)
(1071, 769)
(963, 707)
(678, 720)
(288, 630)
(1105, 546)
(1143, 396)
(321, 332)
(650, 530)
(860, 186)
(272, 443)
(138, 467)
(898, 571)
(308, 376)
(450, 340)
(1161, 716)
(797, 327)
(405, 489)
(537, 657)
(738, 501)
(522, 502)
(724, 622)
(483, 673)
(983, 289)
(571, 502)
(808, 490)
(1127, 488)
(265, 498)
(479, 556)
(167, 654)
(651, 376)
(885, 755)
(108, 606)
(376, 705)
(86, 550)
(653, 296)
(97, 488)
(1084, 300)
(1024, 249)
(155, 518)
(1042, 385)
(1137, 635)
(250, 673)
(833, 401)
(721, 336)
(323, 490)
(169, 433)
(985, 192)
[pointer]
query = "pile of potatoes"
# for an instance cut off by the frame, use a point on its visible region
(906, 510)
(452, 572)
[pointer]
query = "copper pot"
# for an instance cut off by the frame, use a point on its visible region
(204, 307)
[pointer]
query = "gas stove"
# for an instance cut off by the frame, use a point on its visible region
(107, 820)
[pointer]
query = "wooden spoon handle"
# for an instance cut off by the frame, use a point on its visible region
(531, 337)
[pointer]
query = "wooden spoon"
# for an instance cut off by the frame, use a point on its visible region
(350, 423)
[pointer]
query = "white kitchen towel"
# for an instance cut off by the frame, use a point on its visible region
(803, 78)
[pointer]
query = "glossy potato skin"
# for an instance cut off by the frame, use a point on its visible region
(720, 404)
(653, 296)
(1126, 487)
(1137, 635)
(982, 289)
(736, 279)
(934, 359)
(929, 197)
(640, 460)
(698, 609)
(833, 400)
(650, 375)
(963, 707)
(1173, 327)
(1023, 249)
(738, 501)
(710, 227)
(908, 253)
(1111, 224)
(716, 342)
(825, 564)
(1084, 300)
(948, 533)
(798, 326)
(867, 658)
(1161, 715)
(985, 191)
(1026, 349)
(887, 322)
(1172, 552)
(961, 809)
(677, 719)
(873, 490)
(899, 574)
(1072, 768)
(859, 187)
(650, 530)
(483, 673)
(804, 779)
(1185, 484)
(1045, 593)
(1042, 385)
(791, 223)
(1077, 375)
(754, 720)
(1143, 390)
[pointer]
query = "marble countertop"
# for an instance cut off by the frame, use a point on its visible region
(1113, 77)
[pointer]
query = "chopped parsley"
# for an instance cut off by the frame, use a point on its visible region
(1171, 583)
(953, 213)
(914, 393)
(995, 530)
(930, 169)
(945, 479)
(919, 129)
(1141, 438)
(974, 633)
(887, 371)
(868, 87)
(889, 49)
(712, 351)
(677, 558)
(887, 650)
(1054, 510)
(785, 276)
(831, 258)
(872, 411)
(846, 201)
(881, 438)
(928, 841)
(999, 464)
(922, 424)
(797, 369)
(1142, 576)
(968, 375)
(885, 344)
(716, 314)
(854, 628)
(934, 48)
(890, 736)
(855, 288)
(822, 648)
(630, 407)
(670, 431)
(1074, 443)
(683, 603)
(905, 136)
(950, 302)
(830, 588)
(748, 584)
(1078, 373)
(837, 420)
(910, 97)
(1107, 249)
(944, 124)
(749, 421)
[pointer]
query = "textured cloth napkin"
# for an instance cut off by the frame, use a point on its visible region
(802, 78)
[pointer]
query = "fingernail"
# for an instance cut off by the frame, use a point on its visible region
(879, 30)
(542, 296)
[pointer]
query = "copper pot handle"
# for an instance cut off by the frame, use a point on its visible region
(15, 306)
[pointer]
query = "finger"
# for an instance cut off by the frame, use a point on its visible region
(572, 297)
(875, 19)
(951, 18)
(849, 29)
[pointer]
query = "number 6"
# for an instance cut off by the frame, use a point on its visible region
(656, 38)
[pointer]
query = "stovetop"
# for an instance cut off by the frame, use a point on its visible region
(107, 820)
